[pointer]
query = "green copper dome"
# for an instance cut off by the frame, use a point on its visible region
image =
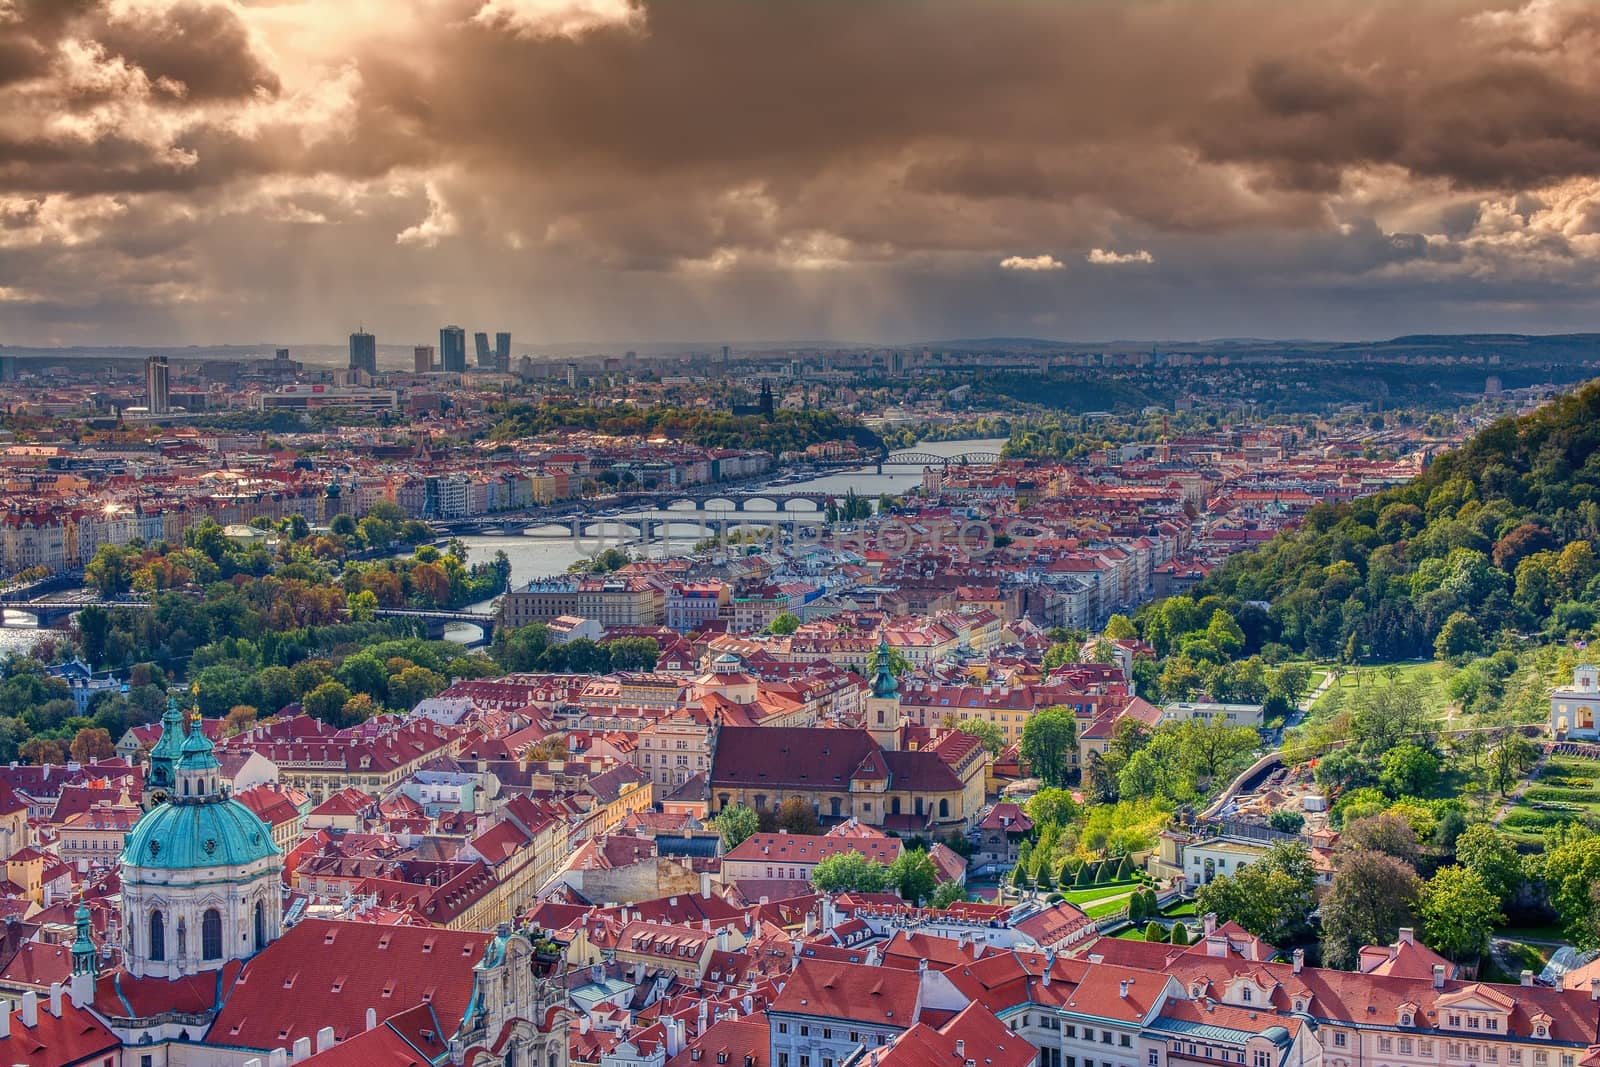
(210, 832)
(884, 685)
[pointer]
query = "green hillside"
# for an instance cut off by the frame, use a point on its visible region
(1494, 537)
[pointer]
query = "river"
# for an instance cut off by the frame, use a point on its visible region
(538, 558)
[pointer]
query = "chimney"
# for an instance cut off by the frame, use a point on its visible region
(302, 1049)
(705, 883)
(1217, 946)
(30, 1009)
(674, 1037)
(1095, 957)
(722, 939)
(961, 1049)
(1122, 989)
(55, 999)
(1049, 965)
(5, 1019)
(1594, 989)
(1408, 935)
(1299, 960)
(372, 1018)
(1527, 977)
(1211, 923)
(1438, 976)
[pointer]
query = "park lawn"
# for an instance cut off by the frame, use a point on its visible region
(1132, 933)
(1101, 909)
(1424, 673)
(1178, 910)
(1100, 892)
(1529, 957)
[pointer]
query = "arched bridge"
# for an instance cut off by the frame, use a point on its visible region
(436, 621)
(57, 614)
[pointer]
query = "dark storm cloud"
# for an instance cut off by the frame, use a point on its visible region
(885, 157)
(202, 49)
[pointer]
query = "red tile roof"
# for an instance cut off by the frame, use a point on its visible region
(334, 971)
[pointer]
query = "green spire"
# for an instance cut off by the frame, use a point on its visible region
(168, 748)
(83, 951)
(884, 687)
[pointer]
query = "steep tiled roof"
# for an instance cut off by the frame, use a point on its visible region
(332, 972)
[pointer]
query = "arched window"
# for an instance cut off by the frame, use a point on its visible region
(944, 808)
(261, 925)
(211, 935)
(158, 938)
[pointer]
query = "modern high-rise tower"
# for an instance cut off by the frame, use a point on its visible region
(422, 359)
(453, 349)
(480, 344)
(502, 352)
(157, 395)
(364, 352)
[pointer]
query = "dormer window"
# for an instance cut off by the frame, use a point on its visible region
(1407, 1019)
(1541, 1031)
(1247, 994)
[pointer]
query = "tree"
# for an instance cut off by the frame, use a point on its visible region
(1460, 636)
(1372, 896)
(412, 686)
(1154, 933)
(735, 823)
(1290, 682)
(1286, 821)
(845, 872)
(1511, 758)
(1493, 856)
(1120, 628)
(948, 893)
(1458, 913)
(94, 632)
(41, 750)
(1180, 934)
(1136, 909)
(1273, 897)
(1049, 739)
(1385, 832)
(240, 717)
(797, 816)
(913, 875)
(1571, 870)
(111, 570)
(92, 743)
(363, 606)
(326, 701)
(784, 625)
(1409, 770)
(1052, 806)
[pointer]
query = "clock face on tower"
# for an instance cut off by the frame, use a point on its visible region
(158, 796)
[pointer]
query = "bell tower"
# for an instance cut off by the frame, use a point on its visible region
(884, 719)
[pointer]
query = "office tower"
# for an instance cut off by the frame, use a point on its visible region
(572, 375)
(281, 355)
(724, 355)
(157, 396)
(480, 342)
(8, 368)
(502, 352)
(364, 352)
(453, 349)
(422, 359)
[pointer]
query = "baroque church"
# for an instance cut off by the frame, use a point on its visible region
(207, 974)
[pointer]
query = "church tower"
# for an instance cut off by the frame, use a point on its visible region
(163, 770)
(884, 719)
(201, 876)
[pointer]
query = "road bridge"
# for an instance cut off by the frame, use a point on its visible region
(436, 621)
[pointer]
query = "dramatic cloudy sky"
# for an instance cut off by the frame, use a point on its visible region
(177, 171)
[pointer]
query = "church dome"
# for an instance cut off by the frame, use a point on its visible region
(179, 835)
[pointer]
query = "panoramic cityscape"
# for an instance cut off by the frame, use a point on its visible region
(621, 533)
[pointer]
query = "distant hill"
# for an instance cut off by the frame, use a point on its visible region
(1494, 537)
